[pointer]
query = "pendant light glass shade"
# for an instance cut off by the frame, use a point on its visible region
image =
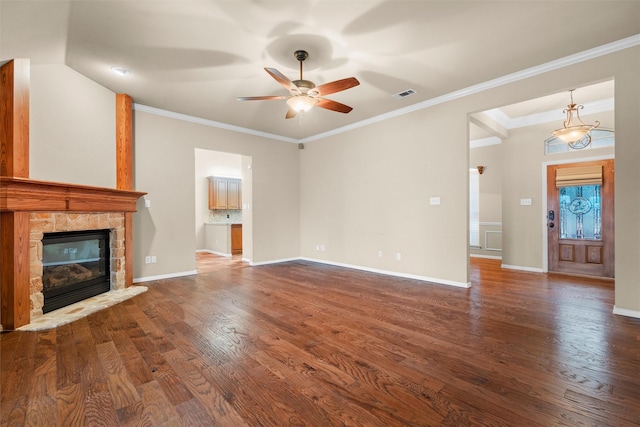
(577, 134)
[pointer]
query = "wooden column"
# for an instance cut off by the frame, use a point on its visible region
(124, 142)
(14, 117)
(124, 172)
(15, 306)
(15, 269)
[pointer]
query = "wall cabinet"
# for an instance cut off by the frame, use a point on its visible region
(225, 193)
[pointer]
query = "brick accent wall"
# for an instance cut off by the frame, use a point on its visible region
(50, 222)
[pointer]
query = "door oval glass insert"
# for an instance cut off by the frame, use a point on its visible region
(580, 212)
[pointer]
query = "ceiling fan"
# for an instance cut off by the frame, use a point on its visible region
(304, 94)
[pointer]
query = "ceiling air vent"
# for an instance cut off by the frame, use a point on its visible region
(404, 94)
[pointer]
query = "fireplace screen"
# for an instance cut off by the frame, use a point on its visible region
(75, 267)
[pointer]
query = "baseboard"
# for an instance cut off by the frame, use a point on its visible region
(625, 312)
(517, 267)
(392, 273)
(275, 261)
(213, 252)
(485, 256)
(164, 276)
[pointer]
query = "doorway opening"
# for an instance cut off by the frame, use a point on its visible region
(223, 220)
(508, 143)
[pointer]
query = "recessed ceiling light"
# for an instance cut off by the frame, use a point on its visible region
(121, 71)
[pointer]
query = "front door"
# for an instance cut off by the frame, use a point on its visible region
(580, 221)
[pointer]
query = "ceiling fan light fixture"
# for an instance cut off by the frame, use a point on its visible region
(576, 135)
(301, 103)
(303, 94)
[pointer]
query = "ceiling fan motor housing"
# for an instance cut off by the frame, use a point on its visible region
(304, 85)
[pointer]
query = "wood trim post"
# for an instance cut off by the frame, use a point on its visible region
(15, 306)
(14, 118)
(124, 142)
(124, 172)
(15, 270)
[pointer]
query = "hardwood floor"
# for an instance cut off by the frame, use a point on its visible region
(300, 343)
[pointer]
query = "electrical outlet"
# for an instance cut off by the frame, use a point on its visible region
(398, 256)
(153, 259)
(147, 203)
(380, 254)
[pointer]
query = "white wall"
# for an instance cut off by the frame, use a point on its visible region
(368, 191)
(72, 128)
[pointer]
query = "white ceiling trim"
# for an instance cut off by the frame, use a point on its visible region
(485, 142)
(553, 116)
(498, 116)
(211, 123)
(586, 55)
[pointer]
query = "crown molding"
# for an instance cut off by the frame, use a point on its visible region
(210, 123)
(485, 142)
(577, 58)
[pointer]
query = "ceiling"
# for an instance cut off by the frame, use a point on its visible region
(195, 57)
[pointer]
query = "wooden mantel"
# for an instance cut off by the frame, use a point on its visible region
(20, 196)
(27, 195)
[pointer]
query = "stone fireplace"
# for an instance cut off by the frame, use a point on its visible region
(29, 208)
(59, 222)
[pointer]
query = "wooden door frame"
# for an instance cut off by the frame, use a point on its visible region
(545, 237)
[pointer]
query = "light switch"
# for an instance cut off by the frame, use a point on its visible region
(147, 203)
(525, 202)
(434, 200)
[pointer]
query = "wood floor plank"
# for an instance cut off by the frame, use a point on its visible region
(217, 408)
(301, 343)
(122, 389)
(156, 404)
(70, 406)
(16, 380)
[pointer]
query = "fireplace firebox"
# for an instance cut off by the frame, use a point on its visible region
(75, 267)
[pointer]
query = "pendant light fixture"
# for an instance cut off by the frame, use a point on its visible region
(576, 134)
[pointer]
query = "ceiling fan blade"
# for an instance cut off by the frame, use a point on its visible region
(337, 86)
(291, 113)
(260, 98)
(333, 105)
(283, 80)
